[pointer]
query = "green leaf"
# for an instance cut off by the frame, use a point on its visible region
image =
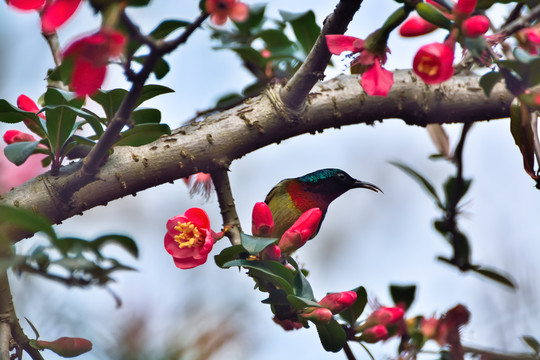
(123, 241)
(476, 45)
(161, 68)
(18, 152)
(430, 13)
(142, 134)
(63, 71)
(109, 100)
(255, 244)
(298, 302)
(253, 22)
(11, 114)
(496, 276)
(489, 80)
(25, 220)
(166, 27)
(304, 26)
(332, 336)
(146, 116)
(273, 271)
(352, 314)
(421, 180)
(61, 112)
(150, 91)
(229, 254)
(452, 193)
(228, 100)
(403, 294)
(138, 3)
(275, 39)
(532, 343)
(301, 285)
(523, 56)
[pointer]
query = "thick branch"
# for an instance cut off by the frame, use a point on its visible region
(312, 70)
(257, 122)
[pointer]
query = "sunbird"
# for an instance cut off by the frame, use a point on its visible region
(290, 198)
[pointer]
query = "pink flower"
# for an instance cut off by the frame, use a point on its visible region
(91, 55)
(27, 104)
(475, 26)
(416, 26)
(13, 136)
(189, 238)
(337, 302)
(386, 316)
(220, 10)
(317, 315)
(271, 252)
(299, 233)
(433, 63)
(12, 175)
(202, 184)
(262, 223)
(530, 39)
(464, 8)
(53, 13)
(375, 79)
(66, 346)
(374, 334)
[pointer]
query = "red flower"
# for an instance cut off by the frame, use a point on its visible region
(202, 185)
(189, 238)
(220, 10)
(375, 79)
(475, 26)
(27, 104)
(91, 55)
(271, 252)
(433, 63)
(299, 233)
(416, 26)
(530, 39)
(53, 13)
(337, 302)
(14, 136)
(66, 346)
(262, 222)
(317, 315)
(374, 334)
(464, 8)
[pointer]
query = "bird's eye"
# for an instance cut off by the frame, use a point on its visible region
(341, 176)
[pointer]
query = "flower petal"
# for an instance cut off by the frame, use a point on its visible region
(27, 4)
(376, 80)
(198, 217)
(56, 13)
(340, 43)
(86, 78)
(239, 12)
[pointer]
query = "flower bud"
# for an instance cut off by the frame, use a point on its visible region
(386, 316)
(374, 334)
(337, 302)
(317, 315)
(288, 325)
(464, 7)
(262, 223)
(66, 346)
(303, 229)
(271, 252)
(416, 26)
(475, 26)
(14, 136)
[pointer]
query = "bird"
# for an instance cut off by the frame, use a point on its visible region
(290, 198)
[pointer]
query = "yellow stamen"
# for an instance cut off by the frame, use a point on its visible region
(428, 66)
(189, 235)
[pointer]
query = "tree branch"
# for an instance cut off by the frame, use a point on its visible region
(297, 89)
(252, 125)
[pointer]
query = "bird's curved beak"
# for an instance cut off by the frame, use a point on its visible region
(366, 185)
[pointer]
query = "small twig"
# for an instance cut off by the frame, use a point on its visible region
(348, 352)
(226, 204)
(514, 14)
(295, 92)
(168, 46)
(493, 355)
(520, 22)
(534, 126)
(7, 311)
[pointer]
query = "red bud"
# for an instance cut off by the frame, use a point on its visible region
(262, 223)
(475, 26)
(67, 346)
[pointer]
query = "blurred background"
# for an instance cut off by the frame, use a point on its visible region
(367, 239)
